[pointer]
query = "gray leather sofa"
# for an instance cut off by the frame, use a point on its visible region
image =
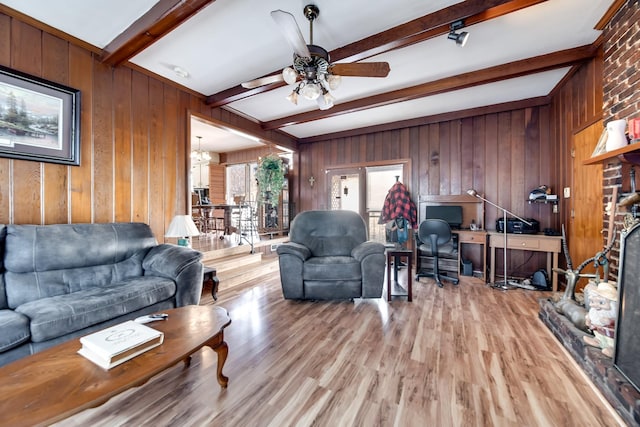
(63, 281)
(328, 256)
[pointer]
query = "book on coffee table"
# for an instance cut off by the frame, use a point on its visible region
(117, 344)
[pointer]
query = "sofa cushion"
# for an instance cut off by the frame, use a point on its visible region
(14, 329)
(63, 314)
(328, 233)
(339, 289)
(25, 287)
(332, 268)
(322, 246)
(49, 260)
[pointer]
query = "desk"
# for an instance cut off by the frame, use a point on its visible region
(395, 255)
(476, 238)
(552, 245)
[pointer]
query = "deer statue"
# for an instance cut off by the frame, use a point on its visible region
(568, 305)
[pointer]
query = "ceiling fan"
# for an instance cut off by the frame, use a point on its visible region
(312, 74)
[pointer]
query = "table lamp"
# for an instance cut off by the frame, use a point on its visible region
(182, 227)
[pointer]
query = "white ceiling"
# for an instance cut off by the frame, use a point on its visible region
(228, 42)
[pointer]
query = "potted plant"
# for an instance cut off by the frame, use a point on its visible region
(270, 177)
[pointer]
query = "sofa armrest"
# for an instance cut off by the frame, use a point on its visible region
(372, 258)
(181, 264)
(295, 249)
(291, 257)
(365, 249)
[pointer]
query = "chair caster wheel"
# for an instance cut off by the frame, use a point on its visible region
(440, 285)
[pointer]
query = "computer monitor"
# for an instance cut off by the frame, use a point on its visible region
(450, 214)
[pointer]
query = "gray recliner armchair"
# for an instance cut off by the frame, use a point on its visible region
(328, 256)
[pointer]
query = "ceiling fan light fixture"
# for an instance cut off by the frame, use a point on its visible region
(333, 81)
(311, 91)
(460, 38)
(289, 75)
(293, 96)
(328, 101)
(311, 73)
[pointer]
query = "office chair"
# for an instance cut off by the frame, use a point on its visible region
(434, 240)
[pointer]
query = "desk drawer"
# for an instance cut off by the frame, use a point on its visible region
(523, 243)
(472, 237)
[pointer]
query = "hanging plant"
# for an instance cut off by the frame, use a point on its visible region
(270, 177)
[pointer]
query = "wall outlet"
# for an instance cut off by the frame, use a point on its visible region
(567, 192)
(555, 208)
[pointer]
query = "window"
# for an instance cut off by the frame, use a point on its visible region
(241, 182)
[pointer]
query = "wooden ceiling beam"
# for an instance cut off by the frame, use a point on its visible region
(510, 70)
(159, 21)
(418, 30)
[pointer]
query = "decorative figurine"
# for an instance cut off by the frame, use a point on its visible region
(601, 318)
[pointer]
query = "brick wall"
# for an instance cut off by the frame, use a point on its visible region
(622, 63)
(621, 100)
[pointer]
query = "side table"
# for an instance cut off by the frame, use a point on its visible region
(395, 255)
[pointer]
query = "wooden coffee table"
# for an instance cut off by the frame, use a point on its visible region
(55, 383)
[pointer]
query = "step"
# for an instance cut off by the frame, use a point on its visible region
(243, 274)
(209, 256)
(234, 262)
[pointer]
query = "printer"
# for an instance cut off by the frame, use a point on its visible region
(516, 226)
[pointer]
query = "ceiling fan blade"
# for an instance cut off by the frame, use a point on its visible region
(252, 84)
(361, 69)
(289, 28)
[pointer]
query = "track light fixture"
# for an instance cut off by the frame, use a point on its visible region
(460, 38)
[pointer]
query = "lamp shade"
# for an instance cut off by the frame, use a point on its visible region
(182, 226)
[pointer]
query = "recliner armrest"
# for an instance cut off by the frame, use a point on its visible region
(296, 249)
(367, 248)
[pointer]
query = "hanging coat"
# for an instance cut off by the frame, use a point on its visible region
(398, 204)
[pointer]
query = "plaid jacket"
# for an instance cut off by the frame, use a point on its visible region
(398, 204)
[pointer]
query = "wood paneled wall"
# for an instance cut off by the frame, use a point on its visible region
(133, 142)
(502, 155)
(576, 104)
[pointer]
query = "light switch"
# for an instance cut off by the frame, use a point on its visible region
(567, 192)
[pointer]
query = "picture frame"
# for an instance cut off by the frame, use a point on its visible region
(601, 146)
(39, 119)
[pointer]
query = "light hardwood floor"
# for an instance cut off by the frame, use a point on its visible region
(465, 355)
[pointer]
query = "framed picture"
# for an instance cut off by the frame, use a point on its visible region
(39, 119)
(601, 146)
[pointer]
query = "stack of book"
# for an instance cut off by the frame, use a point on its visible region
(117, 344)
